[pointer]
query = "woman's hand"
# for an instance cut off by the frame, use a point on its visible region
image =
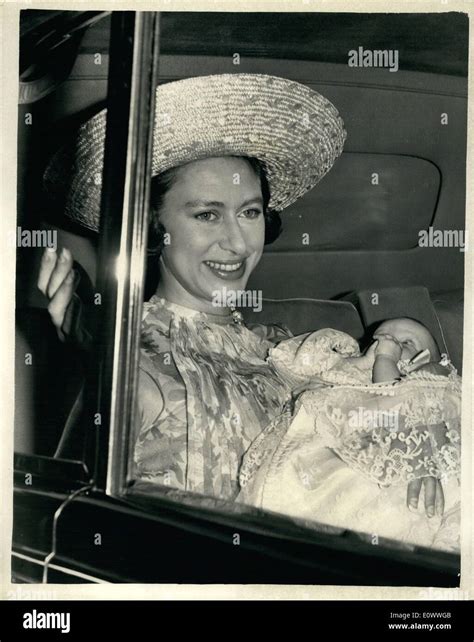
(434, 496)
(58, 280)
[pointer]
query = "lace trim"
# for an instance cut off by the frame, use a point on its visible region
(392, 434)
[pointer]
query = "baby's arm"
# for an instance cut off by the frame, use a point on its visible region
(387, 355)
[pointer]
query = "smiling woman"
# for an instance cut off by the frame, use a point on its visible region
(190, 437)
(225, 164)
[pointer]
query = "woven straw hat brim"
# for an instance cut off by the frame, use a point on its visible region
(294, 131)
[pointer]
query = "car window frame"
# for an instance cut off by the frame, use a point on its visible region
(110, 391)
(126, 183)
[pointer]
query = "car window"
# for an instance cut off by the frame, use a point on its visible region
(123, 395)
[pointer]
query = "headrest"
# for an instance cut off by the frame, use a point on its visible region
(302, 315)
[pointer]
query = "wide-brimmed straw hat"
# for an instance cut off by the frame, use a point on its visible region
(295, 133)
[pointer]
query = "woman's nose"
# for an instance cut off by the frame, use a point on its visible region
(233, 239)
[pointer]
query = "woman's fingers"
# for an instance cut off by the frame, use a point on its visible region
(56, 282)
(434, 495)
(430, 485)
(439, 503)
(58, 305)
(61, 270)
(53, 270)
(48, 263)
(413, 494)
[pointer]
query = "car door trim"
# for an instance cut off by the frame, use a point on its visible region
(62, 569)
(57, 515)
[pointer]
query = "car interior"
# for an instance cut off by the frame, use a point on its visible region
(348, 256)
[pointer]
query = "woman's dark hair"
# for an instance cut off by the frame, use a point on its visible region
(161, 184)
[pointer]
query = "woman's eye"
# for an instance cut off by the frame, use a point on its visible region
(252, 213)
(205, 216)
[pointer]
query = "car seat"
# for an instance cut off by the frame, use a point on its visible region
(442, 314)
(302, 315)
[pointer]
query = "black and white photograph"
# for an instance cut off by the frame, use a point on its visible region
(240, 242)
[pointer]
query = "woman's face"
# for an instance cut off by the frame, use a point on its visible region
(213, 213)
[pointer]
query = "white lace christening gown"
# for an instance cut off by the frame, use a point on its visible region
(345, 455)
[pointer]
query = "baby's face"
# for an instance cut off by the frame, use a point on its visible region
(412, 336)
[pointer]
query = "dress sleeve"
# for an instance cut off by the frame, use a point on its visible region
(150, 400)
(273, 333)
(150, 404)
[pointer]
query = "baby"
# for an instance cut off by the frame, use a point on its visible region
(409, 342)
(362, 427)
(400, 346)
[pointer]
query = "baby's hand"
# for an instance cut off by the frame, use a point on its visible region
(388, 346)
(365, 361)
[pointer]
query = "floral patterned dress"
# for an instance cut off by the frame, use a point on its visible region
(206, 391)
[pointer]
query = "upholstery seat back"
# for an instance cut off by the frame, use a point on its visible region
(305, 315)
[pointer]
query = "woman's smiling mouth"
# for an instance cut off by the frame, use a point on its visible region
(227, 271)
